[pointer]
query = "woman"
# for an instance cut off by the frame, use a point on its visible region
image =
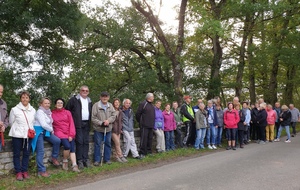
(116, 131)
(285, 121)
(201, 125)
(64, 129)
(159, 128)
(128, 132)
(44, 131)
(271, 119)
(231, 119)
(220, 117)
(241, 125)
(21, 119)
(169, 127)
(262, 123)
(179, 123)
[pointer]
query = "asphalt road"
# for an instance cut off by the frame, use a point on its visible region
(260, 167)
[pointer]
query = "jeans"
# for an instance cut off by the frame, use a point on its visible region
(219, 135)
(82, 142)
(98, 138)
(200, 138)
(287, 129)
(68, 145)
(21, 145)
(169, 140)
(55, 141)
(277, 125)
(211, 134)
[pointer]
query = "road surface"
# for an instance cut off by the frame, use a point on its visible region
(261, 167)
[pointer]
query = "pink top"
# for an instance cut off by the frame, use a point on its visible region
(231, 119)
(63, 124)
(169, 121)
(272, 116)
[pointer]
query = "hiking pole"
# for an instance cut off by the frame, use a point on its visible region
(104, 138)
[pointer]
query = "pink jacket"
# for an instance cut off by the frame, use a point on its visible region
(231, 119)
(272, 116)
(63, 124)
(169, 121)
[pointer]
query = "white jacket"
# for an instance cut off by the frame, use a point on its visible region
(17, 120)
(41, 119)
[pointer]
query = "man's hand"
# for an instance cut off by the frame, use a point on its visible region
(106, 123)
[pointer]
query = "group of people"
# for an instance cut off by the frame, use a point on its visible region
(68, 125)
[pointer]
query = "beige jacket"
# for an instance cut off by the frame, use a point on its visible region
(99, 115)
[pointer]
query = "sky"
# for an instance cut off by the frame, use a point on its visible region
(168, 11)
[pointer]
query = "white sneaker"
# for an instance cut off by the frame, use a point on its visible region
(277, 140)
(209, 147)
(214, 147)
(287, 141)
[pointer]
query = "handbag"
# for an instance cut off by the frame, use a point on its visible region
(31, 132)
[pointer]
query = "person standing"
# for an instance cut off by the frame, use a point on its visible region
(159, 128)
(220, 118)
(169, 127)
(271, 119)
(262, 123)
(103, 116)
(201, 125)
(295, 118)
(128, 132)
(241, 125)
(177, 115)
(211, 133)
(116, 131)
(3, 117)
(145, 116)
(80, 107)
(21, 118)
(285, 121)
(188, 119)
(247, 114)
(64, 129)
(277, 109)
(253, 122)
(231, 119)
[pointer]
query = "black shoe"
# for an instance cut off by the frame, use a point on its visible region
(228, 147)
(87, 164)
(233, 148)
(138, 158)
(293, 135)
(80, 165)
(108, 162)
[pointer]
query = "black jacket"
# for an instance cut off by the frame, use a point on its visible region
(262, 118)
(287, 117)
(145, 114)
(74, 106)
(241, 125)
(254, 113)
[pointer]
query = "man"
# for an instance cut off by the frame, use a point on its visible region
(188, 119)
(103, 115)
(277, 109)
(145, 115)
(177, 115)
(295, 118)
(81, 108)
(3, 117)
(196, 107)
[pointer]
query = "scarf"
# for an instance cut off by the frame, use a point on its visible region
(47, 112)
(244, 111)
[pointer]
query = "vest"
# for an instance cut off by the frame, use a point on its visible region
(190, 111)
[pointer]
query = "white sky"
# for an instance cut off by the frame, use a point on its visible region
(168, 12)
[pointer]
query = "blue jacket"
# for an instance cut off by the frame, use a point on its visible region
(213, 115)
(128, 120)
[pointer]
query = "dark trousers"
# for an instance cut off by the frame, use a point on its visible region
(178, 137)
(254, 131)
(241, 136)
(293, 125)
(82, 142)
(277, 125)
(146, 140)
(190, 136)
(21, 145)
(262, 133)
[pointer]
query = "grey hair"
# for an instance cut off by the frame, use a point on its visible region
(126, 100)
(149, 95)
(84, 86)
(209, 101)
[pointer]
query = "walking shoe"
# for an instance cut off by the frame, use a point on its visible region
(293, 135)
(25, 175)
(54, 161)
(124, 159)
(138, 157)
(214, 147)
(80, 165)
(209, 147)
(142, 156)
(43, 174)
(219, 145)
(262, 142)
(96, 163)
(228, 147)
(277, 140)
(287, 141)
(75, 168)
(233, 148)
(65, 165)
(87, 164)
(119, 160)
(241, 146)
(108, 162)
(258, 141)
(19, 176)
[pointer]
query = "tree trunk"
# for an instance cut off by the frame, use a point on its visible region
(251, 70)
(289, 87)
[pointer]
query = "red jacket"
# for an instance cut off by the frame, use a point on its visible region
(272, 116)
(63, 124)
(231, 119)
(169, 121)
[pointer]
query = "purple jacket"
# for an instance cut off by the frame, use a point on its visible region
(159, 119)
(169, 120)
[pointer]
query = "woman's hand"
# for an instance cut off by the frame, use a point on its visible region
(70, 139)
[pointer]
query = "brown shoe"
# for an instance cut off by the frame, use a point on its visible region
(75, 168)
(65, 165)
(43, 174)
(54, 161)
